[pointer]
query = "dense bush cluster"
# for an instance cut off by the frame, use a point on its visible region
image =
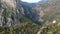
(51, 29)
(23, 28)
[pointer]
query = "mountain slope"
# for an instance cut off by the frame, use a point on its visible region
(49, 10)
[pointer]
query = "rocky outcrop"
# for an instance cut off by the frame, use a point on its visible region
(11, 12)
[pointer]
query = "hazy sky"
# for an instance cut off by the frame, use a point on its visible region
(31, 1)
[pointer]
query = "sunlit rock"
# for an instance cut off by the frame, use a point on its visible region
(10, 3)
(54, 21)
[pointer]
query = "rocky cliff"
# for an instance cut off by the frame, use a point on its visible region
(10, 11)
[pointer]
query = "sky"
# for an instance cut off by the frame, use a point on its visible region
(31, 1)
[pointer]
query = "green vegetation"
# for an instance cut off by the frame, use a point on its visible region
(23, 28)
(51, 29)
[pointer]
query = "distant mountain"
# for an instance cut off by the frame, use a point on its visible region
(28, 4)
(50, 10)
(42, 1)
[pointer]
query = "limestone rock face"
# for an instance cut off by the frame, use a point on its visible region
(11, 12)
(10, 3)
